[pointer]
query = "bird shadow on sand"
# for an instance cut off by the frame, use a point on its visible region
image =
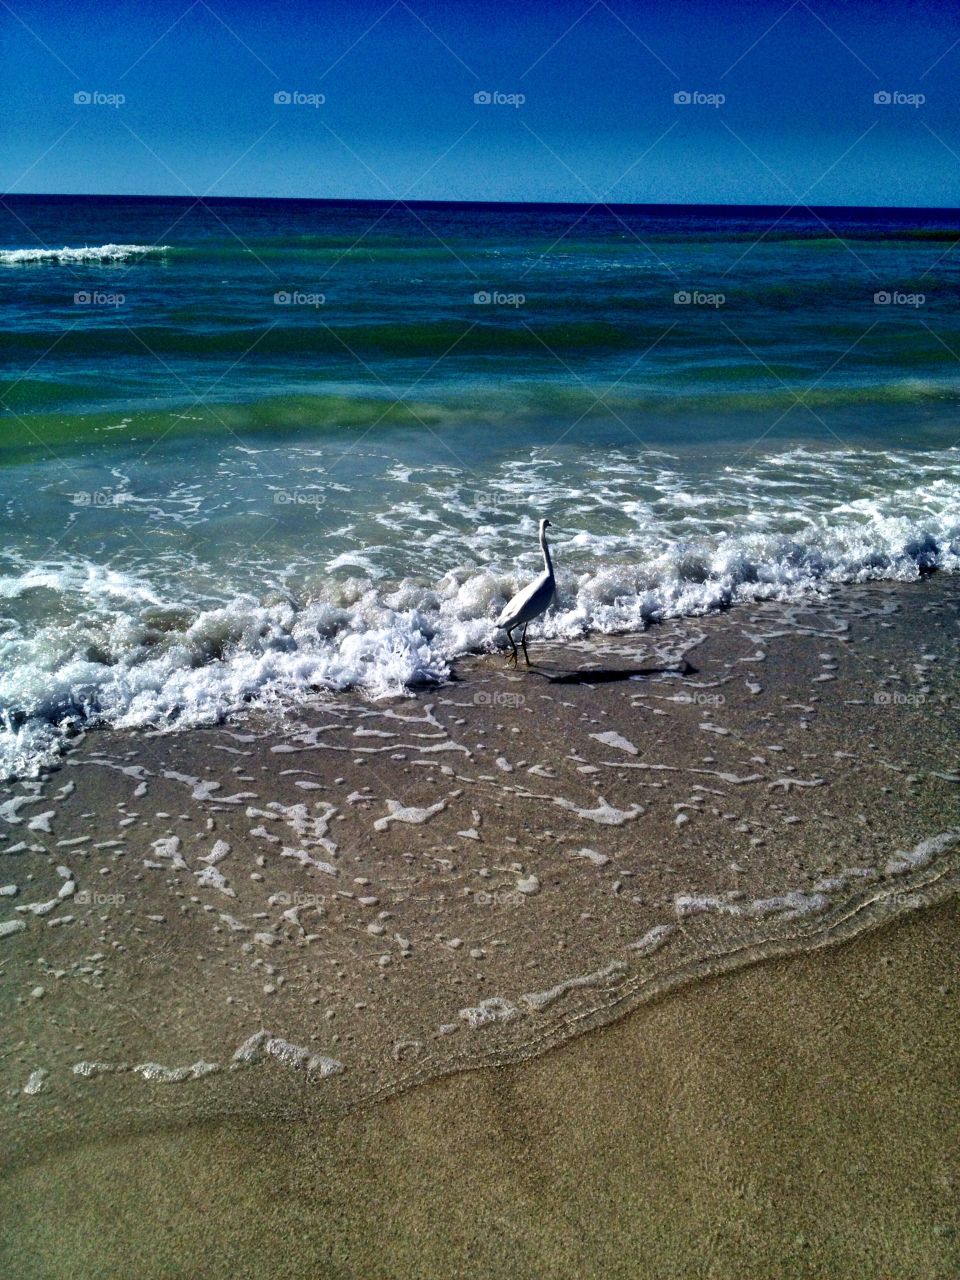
(610, 675)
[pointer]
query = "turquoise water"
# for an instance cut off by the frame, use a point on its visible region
(251, 447)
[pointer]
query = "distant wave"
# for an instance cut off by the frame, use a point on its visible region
(401, 248)
(102, 336)
(88, 253)
(314, 414)
(401, 338)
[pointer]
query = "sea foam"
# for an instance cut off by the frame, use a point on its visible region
(98, 656)
(86, 253)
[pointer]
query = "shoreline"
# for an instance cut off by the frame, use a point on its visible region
(707, 1133)
(304, 911)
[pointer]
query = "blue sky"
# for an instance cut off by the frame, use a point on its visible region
(598, 121)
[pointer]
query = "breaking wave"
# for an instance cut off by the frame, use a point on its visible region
(123, 651)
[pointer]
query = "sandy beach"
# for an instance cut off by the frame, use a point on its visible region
(796, 1119)
(251, 971)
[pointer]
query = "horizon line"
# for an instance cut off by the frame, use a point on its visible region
(400, 202)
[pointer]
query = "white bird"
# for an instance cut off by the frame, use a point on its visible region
(534, 599)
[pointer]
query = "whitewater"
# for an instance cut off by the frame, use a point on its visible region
(175, 641)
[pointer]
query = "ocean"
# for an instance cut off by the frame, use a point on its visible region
(255, 448)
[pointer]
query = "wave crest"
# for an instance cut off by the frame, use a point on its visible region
(88, 253)
(146, 661)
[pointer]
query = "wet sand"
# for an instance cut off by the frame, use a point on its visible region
(248, 973)
(795, 1119)
(370, 895)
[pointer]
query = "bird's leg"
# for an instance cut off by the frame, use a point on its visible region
(512, 659)
(523, 642)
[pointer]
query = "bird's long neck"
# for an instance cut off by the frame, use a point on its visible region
(547, 563)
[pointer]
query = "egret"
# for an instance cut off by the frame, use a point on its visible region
(529, 603)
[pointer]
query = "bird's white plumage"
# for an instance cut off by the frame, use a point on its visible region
(529, 602)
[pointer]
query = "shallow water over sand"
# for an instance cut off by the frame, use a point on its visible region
(306, 911)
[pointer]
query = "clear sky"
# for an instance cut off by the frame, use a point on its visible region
(799, 122)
